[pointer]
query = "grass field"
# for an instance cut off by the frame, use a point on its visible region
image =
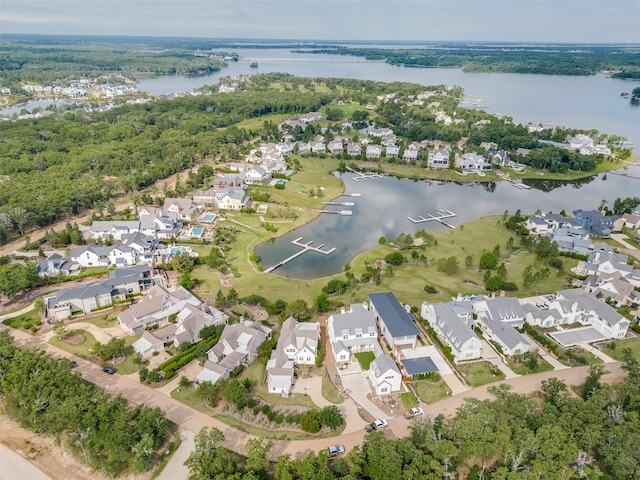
(632, 344)
(26, 320)
(84, 350)
(431, 391)
(522, 369)
(365, 359)
(478, 374)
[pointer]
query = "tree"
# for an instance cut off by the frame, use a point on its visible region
(488, 261)
(468, 262)
(257, 461)
(60, 329)
(331, 417)
(297, 309)
(592, 382)
(321, 303)
(210, 460)
(394, 258)
(448, 265)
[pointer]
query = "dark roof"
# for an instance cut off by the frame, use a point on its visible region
(395, 317)
(417, 366)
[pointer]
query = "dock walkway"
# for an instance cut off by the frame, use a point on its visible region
(438, 217)
(305, 248)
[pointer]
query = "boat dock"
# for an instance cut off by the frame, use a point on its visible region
(520, 185)
(344, 213)
(362, 176)
(305, 248)
(438, 217)
(344, 204)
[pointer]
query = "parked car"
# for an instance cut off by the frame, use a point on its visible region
(109, 370)
(337, 377)
(336, 450)
(414, 412)
(376, 425)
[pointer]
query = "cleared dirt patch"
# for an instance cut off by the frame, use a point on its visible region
(74, 338)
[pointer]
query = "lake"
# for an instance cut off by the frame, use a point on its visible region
(385, 204)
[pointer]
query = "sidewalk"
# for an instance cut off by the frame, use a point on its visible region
(488, 353)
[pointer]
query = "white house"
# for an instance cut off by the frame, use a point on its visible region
(510, 340)
(352, 331)
(297, 345)
(453, 323)
(385, 375)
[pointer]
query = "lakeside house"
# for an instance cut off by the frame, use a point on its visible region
(394, 321)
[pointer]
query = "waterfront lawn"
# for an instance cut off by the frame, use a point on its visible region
(478, 374)
(365, 359)
(430, 391)
(616, 353)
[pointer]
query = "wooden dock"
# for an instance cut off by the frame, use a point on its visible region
(438, 217)
(305, 248)
(344, 204)
(362, 176)
(344, 213)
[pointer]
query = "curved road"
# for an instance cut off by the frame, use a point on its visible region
(190, 420)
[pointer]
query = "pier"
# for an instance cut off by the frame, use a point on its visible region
(344, 204)
(305, 248)
(344, 213)
(438, 217)
(362, 176)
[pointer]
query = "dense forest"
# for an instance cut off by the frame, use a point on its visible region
(554, 435)
(548, 60)
(51, 61)
(45, 395)
(66, 162)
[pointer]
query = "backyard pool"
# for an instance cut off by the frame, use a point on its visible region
(197, 232)
(209, 217)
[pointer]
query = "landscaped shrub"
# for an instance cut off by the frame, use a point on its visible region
(310, 422)
(251, 402)
(265, 409)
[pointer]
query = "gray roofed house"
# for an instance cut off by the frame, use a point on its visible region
(394, 322)
(607, 261)
(352, 331)
(101, 229)
(56, 265)
(297, 345)
(184, 208)
(577, 305)
(453, 323)
(385, 375)
(501, 309)
(539, 317)
(510, 340)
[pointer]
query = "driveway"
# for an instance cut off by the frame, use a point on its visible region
(488, 353)
(357, 387)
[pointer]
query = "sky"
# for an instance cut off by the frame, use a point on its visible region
(539, 21)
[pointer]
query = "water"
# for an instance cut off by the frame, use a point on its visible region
(575, 102)
(386, 203)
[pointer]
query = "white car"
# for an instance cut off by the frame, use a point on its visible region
(417, 411)
(336, 450)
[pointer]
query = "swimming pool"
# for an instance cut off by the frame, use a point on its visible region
(209, 217)
(196, 232)
(174, 251)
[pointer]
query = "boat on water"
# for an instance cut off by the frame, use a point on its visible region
(253, 65)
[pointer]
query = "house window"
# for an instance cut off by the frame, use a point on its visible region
(345, 337)
(383, 389)
(372, 334)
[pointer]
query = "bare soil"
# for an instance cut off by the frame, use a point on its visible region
(74, 338)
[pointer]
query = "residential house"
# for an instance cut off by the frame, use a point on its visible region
(335, 146)
(156, 308)
(385, 375)
(504, 334)
(303, 147)
(500, 309)
(144, 246)
(297, 345)
(577, 305)
(317, 145)
(238, 345)
(256, 176)
(612, 287)
(603, 260)
(354, 148)
(470, 161)
(184, 208)
(89, 297)
(453, 323)
(118, 255)
(497, 157)
(103, 230)
(391, 151)
(545, 318)
(381, 132)
(439, 158)
(373, 151)
(226, 182)
(352, 331)
(598, 224)
(232, 199)
(394, 321)
(189, 322)
(57, 266)
(631, 220)
(410, 153)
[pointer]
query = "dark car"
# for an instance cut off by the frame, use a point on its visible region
(109, 370)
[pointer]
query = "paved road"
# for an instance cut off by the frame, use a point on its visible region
(14, 466)
(192, 421)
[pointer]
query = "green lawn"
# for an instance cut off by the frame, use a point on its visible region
(522, 369)
(329, 390)
(25, 321)
(408, 400)
(478, 374)
(128, 366)
(431, 391)
(632, 344)
(106, 321)
(84, 350)
(365, 359)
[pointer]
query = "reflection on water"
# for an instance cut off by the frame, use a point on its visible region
(385, 204)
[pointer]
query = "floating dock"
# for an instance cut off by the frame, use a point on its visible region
(344, 213)
(352, 194)
(438, 217)
(362, 176)
(344, 204)
(305, 248)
